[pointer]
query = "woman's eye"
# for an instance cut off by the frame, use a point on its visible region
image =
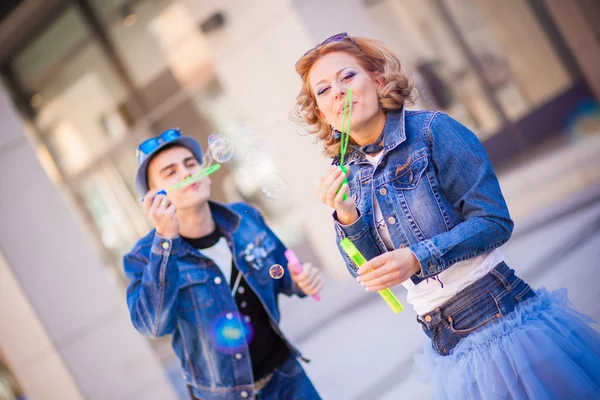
(323, 90)
(348, 76)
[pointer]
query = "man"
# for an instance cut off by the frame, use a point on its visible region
(202, 275)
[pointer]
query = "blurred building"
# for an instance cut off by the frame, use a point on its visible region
(84, 81)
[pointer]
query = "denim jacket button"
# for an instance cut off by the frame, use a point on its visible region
(165, 245)
(238, 356)
(392, 220)
(229, 315)
(217, 280)
(428, 318)
(383, 191)
(244, 394)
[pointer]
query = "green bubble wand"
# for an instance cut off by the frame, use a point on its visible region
(193, 178)
(349, 248)
(345, 135)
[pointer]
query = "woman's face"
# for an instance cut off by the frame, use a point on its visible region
(331, 77)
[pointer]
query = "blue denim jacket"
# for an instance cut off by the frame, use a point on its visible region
(176, 290)
(436, 189)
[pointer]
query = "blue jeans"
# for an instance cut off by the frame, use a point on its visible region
(289, 382)
(488, 299)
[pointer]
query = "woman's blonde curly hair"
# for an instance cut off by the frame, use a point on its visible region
(377, 59)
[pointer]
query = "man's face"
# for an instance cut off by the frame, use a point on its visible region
(172, 165)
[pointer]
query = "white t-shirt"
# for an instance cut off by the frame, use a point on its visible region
(434, 292)
(220, 253)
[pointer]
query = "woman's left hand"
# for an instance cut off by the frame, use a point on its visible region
(388, 270)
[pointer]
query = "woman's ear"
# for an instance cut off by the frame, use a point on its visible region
(379, 83)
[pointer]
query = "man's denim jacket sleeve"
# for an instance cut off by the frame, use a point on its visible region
(154, 286)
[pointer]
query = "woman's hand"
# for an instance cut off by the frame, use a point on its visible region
(388, 269)
(332, 195)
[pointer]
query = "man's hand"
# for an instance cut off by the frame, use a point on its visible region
(161, 212)
(309, 280)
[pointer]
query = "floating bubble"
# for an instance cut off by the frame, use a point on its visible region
(222, 150)
(254, 138)
(206, 159)
(213, 137)
(274, 187)
(276, 271)
(272, 119)
(254, 157)
(230, 333)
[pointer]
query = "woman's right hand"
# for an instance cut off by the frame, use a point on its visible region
(328, 191)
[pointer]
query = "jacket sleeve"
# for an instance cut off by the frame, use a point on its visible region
(468, 181)
(154, 286)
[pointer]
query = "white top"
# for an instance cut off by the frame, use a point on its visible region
(430, 294)
(220, 253)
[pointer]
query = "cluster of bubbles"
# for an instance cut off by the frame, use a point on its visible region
(276, 271)
(231, 333)
(273, 185)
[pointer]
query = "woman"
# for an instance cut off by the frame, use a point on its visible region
(424, 206)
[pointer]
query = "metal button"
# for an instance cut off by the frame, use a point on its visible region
(428, 318)
(241, 290)
(217, 280)
(403, 246)
(383, 191)
(498, 315)
(244, 394)
(238, 356)
(247, 318)
(243, 304)
(392, 220)
(165, 245)
(431, 268)
(229, 315)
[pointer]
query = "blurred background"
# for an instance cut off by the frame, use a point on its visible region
(82, 82)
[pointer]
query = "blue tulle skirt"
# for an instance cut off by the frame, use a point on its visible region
(544, 349)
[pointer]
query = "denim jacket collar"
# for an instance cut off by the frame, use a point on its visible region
(393, 134)
(225, 218)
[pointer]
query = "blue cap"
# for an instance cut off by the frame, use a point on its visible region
(141, 177)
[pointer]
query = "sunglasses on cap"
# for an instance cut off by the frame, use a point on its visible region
(332, 39)
(148, 146)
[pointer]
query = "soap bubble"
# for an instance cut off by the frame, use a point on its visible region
(274, 187)
(254, 157)
(213, 137)
(222, 150)
(276, 271)
(230, 333)
(206, 159)
(272, 119)
(254, 138)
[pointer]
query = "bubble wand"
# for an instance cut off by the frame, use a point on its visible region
(294, 263)
(386, 294)
(349, 248)
(195, 177)
(345, 135)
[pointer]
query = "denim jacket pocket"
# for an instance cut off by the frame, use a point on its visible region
(475, 315)
(408, 176)
(194, 290)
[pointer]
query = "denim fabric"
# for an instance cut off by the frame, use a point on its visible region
(289, 382)
(437, 191)
(174, 289)
(489, 299)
